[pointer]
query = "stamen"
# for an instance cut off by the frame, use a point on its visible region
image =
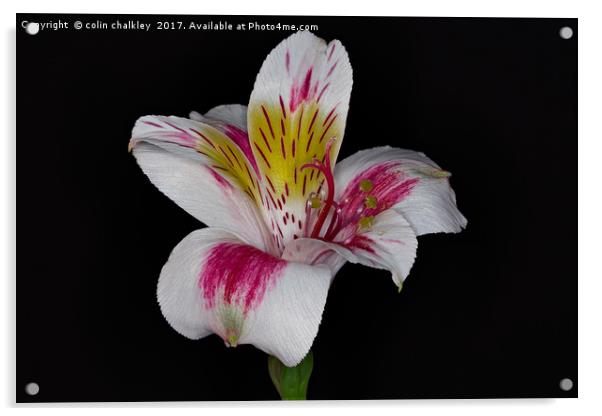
(370, 201)
(315, 202)
(323, 194)
(366, 185)
(335, 220)
(308, 215)
(365, 223)
(326, 170)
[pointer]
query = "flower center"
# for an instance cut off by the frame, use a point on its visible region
(328, 213)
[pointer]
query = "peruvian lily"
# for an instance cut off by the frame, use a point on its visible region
(281, 219)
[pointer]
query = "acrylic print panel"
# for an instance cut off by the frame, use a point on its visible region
(115, 276)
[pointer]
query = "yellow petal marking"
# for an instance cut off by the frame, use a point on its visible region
(283, 142)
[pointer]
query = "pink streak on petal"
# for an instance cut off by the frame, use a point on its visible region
(304, 91)
(282, 106)
(322, 91)
(390, 186)
(268, 121)
(287, 62)
(242, 271)
(293, 101)
(313, 119)
(150, 123)
(332, 69)
(184, 138)
(321, 257)
(241, 138)
(220, 179)
(331, 51)
(174, 126)
(362, 242)
(328, 116)
(204, 138)
(327, 128)
(265, 159)
(300, 93)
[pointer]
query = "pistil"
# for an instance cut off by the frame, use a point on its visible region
(326, 170)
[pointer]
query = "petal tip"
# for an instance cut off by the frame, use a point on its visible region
(232, 341)
(397, 280)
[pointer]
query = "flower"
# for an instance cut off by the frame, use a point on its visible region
(281, 219)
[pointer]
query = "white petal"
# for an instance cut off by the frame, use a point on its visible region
(390, 244)
(314, 252)
(429, 204)
(231, 120)
(233, 114)
(198, 190)
(215, 283)
(299, 102)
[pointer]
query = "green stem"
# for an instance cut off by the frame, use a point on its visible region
(291, 382)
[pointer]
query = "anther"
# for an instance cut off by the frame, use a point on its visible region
(366, 223)
(315, 202)
(370, 201)
(366, 185)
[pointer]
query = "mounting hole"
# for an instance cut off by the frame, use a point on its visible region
(566, 32)
(32, 28)
(566, 384)
(32, 389)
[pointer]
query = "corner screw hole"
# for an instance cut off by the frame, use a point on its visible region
(566, 384)
(32, 28)
(32, 389)
(566, 32)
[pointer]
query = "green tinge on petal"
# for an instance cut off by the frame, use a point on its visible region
(291, 382)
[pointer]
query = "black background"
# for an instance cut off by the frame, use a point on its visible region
(490, 312)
